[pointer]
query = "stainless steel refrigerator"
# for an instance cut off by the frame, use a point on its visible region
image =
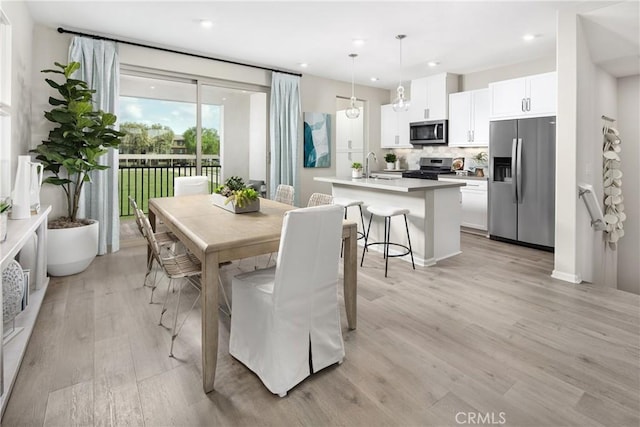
(522, 181)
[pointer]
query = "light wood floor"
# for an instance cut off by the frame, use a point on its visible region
(487, 332)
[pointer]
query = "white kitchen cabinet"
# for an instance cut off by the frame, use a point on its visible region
(430, 97)
(474, 202)
(349, 132)
(344, 159)
(469, 118)
(349, 142)
(531, 96)
(394, 128)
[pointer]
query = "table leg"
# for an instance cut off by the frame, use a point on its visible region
(209, 304)
(350, 264)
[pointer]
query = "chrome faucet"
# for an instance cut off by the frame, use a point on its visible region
(367, 169)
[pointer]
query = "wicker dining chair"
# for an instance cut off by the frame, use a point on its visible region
(284, 194)
(318, 199)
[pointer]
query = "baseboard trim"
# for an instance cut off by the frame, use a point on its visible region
(566, 277)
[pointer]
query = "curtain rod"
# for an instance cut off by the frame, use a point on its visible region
(94, 36)
(609, 119)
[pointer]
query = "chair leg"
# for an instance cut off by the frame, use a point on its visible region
(387, 237)
(176, 331)
(164, 304)
(406, 224)
(342, 244)
(224, 295)
(362, 220)
(366, 237)
(175, 322)
(155, 284)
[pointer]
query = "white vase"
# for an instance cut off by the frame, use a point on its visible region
(3, 226)
(71, 250)
(20, 203)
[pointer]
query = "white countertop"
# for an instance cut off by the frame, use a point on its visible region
(401, 185)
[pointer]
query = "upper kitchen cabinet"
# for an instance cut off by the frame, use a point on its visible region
(349, 132)
(531, 96)
(430, 96)
(469, 118)
(394, 128)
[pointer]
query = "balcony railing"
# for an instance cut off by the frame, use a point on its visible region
(147, 181)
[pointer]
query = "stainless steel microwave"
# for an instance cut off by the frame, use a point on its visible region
(433, 132)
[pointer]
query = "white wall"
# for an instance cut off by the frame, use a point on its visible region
(21, 40)
(566, 257)
(258, 126)
(234, 148)
(628, 125)
(319, 96)
(481, 79)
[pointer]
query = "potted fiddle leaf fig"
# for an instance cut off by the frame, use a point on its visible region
(71, 153)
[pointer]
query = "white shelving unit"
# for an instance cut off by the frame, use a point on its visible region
(18, 233)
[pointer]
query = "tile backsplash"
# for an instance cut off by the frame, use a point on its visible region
(409, 158)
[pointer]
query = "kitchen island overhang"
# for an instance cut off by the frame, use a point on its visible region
(434, 212)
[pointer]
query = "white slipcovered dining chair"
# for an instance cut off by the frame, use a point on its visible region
(187, 185)
(282, 312)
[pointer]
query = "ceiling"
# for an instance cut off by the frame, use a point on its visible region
(463, 37)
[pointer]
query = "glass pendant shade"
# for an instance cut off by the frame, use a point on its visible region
(353, 112)
(400, 103)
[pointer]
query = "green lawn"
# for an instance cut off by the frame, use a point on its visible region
(143, 184)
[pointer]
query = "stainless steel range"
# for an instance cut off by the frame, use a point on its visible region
(430, 168)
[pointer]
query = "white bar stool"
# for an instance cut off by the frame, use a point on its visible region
(346, 204)
(387, 212)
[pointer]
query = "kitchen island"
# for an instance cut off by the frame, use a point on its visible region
(434, 212)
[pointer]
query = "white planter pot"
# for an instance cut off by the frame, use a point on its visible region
(71, 250)
(356, 173)
(391, 165)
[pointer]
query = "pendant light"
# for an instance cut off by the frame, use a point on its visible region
(353, 112)
(400, 103)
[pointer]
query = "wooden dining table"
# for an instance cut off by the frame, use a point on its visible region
(215, 235)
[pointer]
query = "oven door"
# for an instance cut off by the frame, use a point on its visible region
(428, 133)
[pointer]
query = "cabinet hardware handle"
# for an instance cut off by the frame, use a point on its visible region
(528, 104)
(349, 143)
(397, 139)
(349, 156)
(473, 135)
(468, 136)
(523, 104)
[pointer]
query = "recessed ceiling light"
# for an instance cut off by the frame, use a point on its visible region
(224, 99)
(433, 63)
(205, 23)
(528, 37)
(152, 87)
(374, 79)
(357, 42)
(303, 64)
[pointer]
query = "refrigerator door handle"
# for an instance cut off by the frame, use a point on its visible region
(519, 170)
(514, 156)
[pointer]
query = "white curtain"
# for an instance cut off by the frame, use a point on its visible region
(100, 68)
(284, 125)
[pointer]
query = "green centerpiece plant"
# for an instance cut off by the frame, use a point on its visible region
(239, 195)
